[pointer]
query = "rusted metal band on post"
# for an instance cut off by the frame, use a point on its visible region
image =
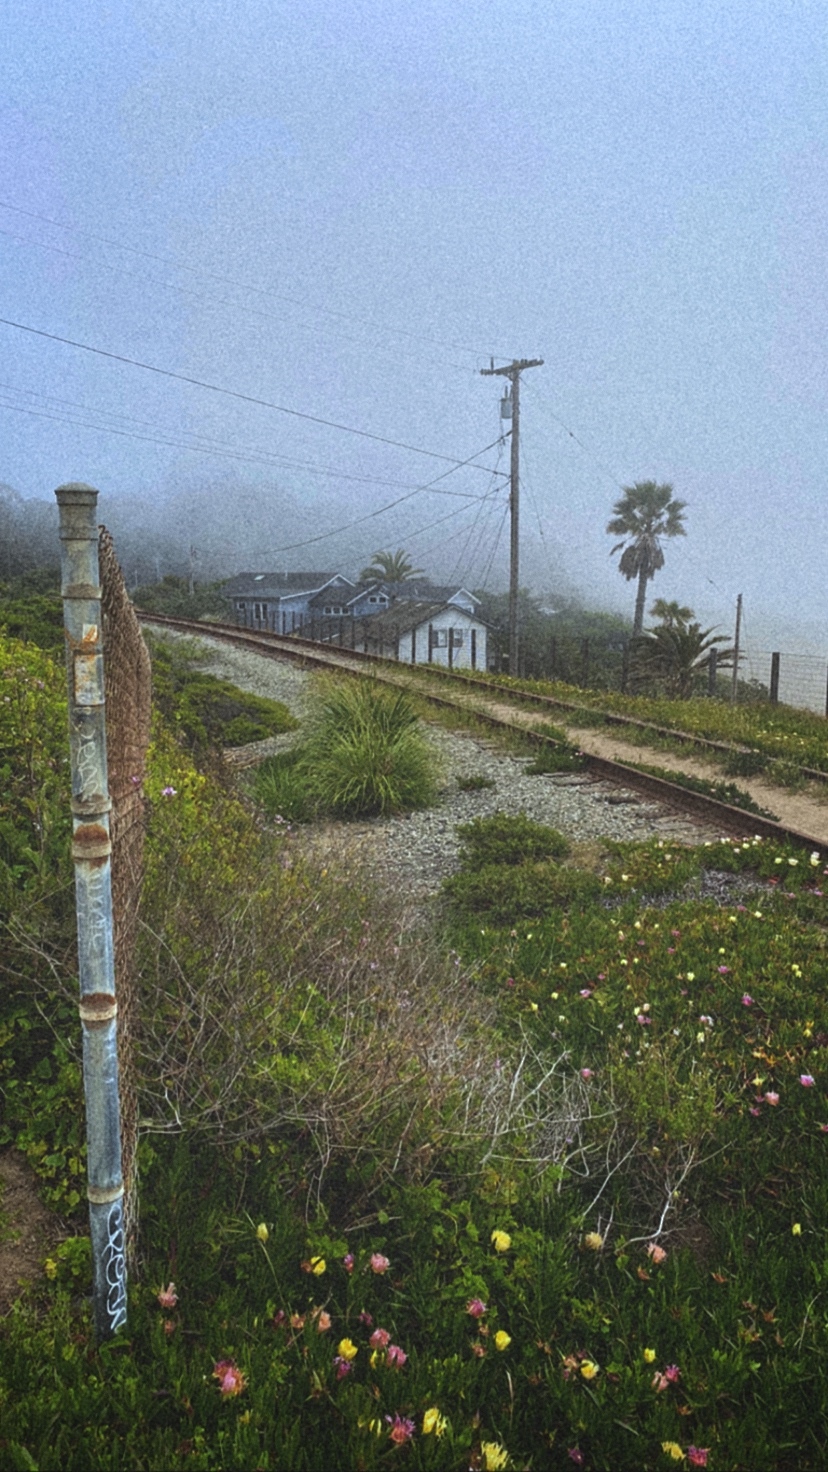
(83, 591)
(101, 1196)
(97, 1010)
(91, 841)
(91, 807)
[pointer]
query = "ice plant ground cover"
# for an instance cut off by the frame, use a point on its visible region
(549, 1193)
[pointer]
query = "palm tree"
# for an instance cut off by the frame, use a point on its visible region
(674, 615)
(645, 513)
(392, 567)
(676, 654)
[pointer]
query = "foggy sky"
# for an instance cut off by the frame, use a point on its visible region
(345, 208)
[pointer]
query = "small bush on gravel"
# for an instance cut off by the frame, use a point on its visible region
(366, 753)
(505, 892)
(508, 839)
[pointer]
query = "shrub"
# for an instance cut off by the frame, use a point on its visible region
(505, 892)
(508, 839)
(206, 711)
(366, 753)
(279, 787)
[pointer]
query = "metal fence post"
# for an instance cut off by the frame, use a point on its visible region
(91, 850)
(774, 679)
(712, 671)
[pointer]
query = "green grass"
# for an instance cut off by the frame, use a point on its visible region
(318, 1087)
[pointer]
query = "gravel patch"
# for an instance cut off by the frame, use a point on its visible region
(415, 853)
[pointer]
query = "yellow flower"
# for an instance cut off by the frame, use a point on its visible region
(50, 1268)
(796, 1229)
(433, 1421)
(589, 1369)
(673, 1450)
(318, 1265)
(494, 1456)
(502, 1339)
(649, 1356)
(261, 1232)
(502, 1241)
(347, 1349)
(594, 1241)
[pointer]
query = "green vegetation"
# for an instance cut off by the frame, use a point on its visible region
(549, 1192)
(172, 597)
(31, 609)
(363, 754)
(795, 737)
(205, 711)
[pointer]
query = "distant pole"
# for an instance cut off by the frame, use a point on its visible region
(91, 852)
(513, 372)
(736, 649)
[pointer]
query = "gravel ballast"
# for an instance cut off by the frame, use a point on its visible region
(417, 851)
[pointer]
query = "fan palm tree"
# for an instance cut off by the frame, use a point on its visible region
(674, 615)
(645, 513)
(392, 567)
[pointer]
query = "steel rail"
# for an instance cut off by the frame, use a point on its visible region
(734, 821)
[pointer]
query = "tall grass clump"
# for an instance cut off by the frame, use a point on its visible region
(365, 753)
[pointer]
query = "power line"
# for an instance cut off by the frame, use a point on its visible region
(245, 286)
(207, 446)
(371, 515)
(236, 394)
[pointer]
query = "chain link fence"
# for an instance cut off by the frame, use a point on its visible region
(128, 714)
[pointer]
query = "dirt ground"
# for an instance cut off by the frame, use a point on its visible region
(28, 1230)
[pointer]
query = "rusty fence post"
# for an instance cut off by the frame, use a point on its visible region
(91, 852)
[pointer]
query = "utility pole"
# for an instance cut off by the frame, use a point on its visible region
(513, 372)
(736, 651)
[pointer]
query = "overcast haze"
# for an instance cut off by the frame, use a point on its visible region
(345, 209)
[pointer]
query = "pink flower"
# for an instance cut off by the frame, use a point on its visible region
(395, 1356)
(747, 999)
(772, 1099)
(169, 1327)
(585, 992)
(754, 1111)
(586, 1074)
(348, 1262)
(660, 1382)
(342, 1366)
(807, 1080)
(378, 1263)
(323, 1321)
(576, 1455)
(477, 1308)
(168, 792)
(672, 1374)
(656, 1253)
(379, 1339)
(230, 1378)
(366, 1319)
(168, 1297)
(697, 1456)
(824, 1129)
(402, 1429)
(723, 970)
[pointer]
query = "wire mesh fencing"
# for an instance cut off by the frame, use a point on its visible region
(128, 714)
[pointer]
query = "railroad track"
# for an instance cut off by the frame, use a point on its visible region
(420, 680)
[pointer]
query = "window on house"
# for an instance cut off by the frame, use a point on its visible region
(440, 640)
(372, 598)
(457, 637)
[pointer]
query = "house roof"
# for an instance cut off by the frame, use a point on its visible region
(274, 584)
(407, 615)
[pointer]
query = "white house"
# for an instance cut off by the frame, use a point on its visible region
(425, 633)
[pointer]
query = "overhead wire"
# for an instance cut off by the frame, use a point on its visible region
(204, 445)
(236, 394)
(246, 286)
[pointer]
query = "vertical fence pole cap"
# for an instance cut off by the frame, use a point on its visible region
(76, 493)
